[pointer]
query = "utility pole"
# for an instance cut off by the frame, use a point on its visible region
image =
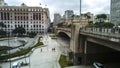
(80, 8)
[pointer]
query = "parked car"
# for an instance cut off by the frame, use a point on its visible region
(17, 64)
(98, 65)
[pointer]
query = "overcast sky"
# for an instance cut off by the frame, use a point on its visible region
(59, 6)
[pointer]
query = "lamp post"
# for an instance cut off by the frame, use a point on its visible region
(80, 7)
(101, 23)
(9, 49)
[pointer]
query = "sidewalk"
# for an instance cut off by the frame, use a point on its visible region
(45, 57)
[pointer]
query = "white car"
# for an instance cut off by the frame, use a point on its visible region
(98, 65)
(16, 64)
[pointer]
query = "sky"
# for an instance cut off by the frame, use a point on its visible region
(59, 6)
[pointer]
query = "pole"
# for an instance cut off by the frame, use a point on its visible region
(9, 50)
(80, 8)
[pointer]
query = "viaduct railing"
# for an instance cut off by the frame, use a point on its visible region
(106, 33)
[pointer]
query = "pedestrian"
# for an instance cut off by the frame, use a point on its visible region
(41, 49)
(54, 49)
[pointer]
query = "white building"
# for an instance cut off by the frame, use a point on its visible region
(33, 19)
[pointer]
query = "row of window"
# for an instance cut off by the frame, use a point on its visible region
(23, 22)
(25, 26)
(22, 9)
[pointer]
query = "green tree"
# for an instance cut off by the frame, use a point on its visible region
(19, 31)
(2, 33)
(108, 25)
(119, 24)
(91, 25)
(32, 34)
(2, 25)
(104, 16)
(88, 17)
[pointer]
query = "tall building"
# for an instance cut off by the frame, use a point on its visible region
(68, 14)
(33, 19)
(115, 11)
(2, 3)
(57, 18)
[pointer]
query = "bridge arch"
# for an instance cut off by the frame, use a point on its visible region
(67, 34)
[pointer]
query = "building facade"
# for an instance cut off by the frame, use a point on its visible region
(33, 19)
(68, 14)
(57, 18)
(115, 11)
(2, 3)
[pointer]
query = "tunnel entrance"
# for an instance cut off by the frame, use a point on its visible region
(99, 53)
(64, 36)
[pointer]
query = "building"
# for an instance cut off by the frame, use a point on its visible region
(2, 3)
(91, 17)
(33, 19)
(68, 14)
(57, 18)
(115, 11)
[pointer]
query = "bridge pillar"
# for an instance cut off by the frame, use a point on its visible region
(74, 43)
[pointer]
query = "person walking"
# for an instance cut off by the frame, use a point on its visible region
(41, 49)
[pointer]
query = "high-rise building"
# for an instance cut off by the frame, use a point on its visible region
(68, 14)
(33, 19)
(57, 18)
(2, 3)
(115, 11)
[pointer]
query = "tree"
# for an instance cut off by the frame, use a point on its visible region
(88, 17)
(108, 25)
(104, 16)
(2, 25)
(91, 25)
(2, 33)
(19, 31)
(101, 16)
(119, 24)
(32, 34)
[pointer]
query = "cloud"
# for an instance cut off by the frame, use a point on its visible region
(59, 6)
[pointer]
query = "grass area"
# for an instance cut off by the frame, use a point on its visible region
(21, 52)
(63, 61)
(53, 36)
(3, 49)
(3, 39)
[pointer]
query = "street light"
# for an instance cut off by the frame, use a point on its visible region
(80, 8)
(101, 23)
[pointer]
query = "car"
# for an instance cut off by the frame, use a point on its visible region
(17, 64)
(98, 65)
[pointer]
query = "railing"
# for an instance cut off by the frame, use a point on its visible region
(64, 29)
(106, 33)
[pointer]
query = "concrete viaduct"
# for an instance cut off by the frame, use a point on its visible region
(88, 45)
